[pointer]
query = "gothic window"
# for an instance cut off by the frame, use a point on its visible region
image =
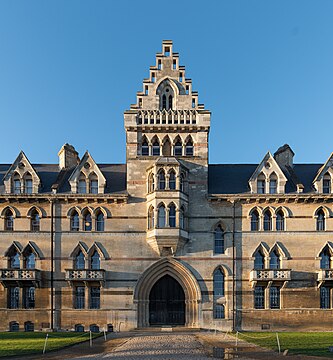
(178, 149)
(99, 222)
(181, 218)
(95, 261)
(172, 215)
(254, 221)
(327, 184)
(95, 297)
(79, 297)
(261, 183)
(161, 216)
(325, 261)
(28, 183)
(82, 185)
(156, 148)
(145, 148)
(79, 261)
(274, 297)
(218, 283)
(151, 182)
(161, 180)
(172, 180)
(9, 220)
(16, 184)
(275, 260)
(166, 149)
(35, 221)
(87, 225)
(29, 259)
(267, 221)
(13, 297)
(170, 102)
(75, 221)
(14, 260)
(273, 184)
(181, 182)
(280, 221)
(325, 301)
(29, 297)
(189, 148)
(259, 260)
(218, 240)
(259, 297)
(93, 183)
(164, 101)
(219, 311)
(151, 218)
(320, 220)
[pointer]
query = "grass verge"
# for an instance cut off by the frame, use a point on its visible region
(303, 343)
(24, 343)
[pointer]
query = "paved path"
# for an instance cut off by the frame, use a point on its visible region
(156, 347)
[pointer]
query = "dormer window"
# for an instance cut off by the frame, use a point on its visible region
(327, 184)
(261, 183)
(16, 184)
(93, 183)
(178, 149)
(82, 185)
(273, 184)
(28, 184)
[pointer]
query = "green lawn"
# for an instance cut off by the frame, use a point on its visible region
(20, 343)
(307, 343)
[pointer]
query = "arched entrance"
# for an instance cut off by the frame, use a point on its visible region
(167, 302)
(159, 274)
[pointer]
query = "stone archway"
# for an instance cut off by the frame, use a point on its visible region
(180, 273)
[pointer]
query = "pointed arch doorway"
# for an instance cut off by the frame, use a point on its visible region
(167, 302)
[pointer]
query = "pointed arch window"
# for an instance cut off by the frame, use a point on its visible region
(325, 261)
(170, 102)
(151, 218)
(273, 184)
(218, 283)
(218, 240)
(29, 260)
(35, 221)
(259, 260)
(178, 149)
(93, 184)
(325, 299)
(29, 297)
(87, 222)
(13, 297)
(99, 222)
(95, 261)
(161, 180)
(320, 220)
(189, 148)
(145, 148)
(161, 216)
(181, 218)
(14, 260)
(172, 180)
(75, 221)
(9, 220)
(16, 184)
(280, 219)
(267, 221)
(156, 148)
(275, 260)
(164, 101)
(327, 184)
(151, 182)
(166, 147)
(261, 183)
(79, 261)
(254, 220)
(82, 185)
(172, 215)
(28, 183)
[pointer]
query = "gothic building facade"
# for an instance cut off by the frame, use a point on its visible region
(166, 239)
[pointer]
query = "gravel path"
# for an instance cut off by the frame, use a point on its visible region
(157, 347)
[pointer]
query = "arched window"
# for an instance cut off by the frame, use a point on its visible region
(79, 328)
(161, 180)
(29, 326)
(327, 184)
(218, 283)
(325, 261)
(87, 225)
(261, 184)
(320, 220)
(145, 147)
(95, 262)
(178, 148)
(151, 218)
(82, 185)
(9, 220)
(181, 182)
(189, 148)
(166, 149)
(280, 221)
(172, 180)
(164, 102)
(29, 259)
(259, 261)
(273, 184)
(170, 102)
(325, 301)
(79, 262)
(14, 260)
(181, 218)
(275, 260)
(156, 148)
(218, 240)
(16, 184)
(35, 221)
(151, 182)
(93, 183)
(14, 326)
(29, 297)
(13, 297)
(267, 221)
(75, 221)
(99, 222)
(172, 215)
(28, 183)
(161, 216)
(254, 221)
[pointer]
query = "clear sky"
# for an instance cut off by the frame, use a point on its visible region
(68, 70)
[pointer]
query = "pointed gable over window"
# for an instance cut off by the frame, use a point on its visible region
(87, 177)
(323, 180)
(268, 177)
(21, 177)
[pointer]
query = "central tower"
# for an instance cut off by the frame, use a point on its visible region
(167, 152)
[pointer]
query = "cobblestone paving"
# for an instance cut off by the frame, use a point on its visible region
(157, 347)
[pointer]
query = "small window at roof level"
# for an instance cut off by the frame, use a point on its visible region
(272, 186)
(17, 186)
(167, 51)
(159, 64)
(28, 186)
(140, 103)
(327, 184)
(187, 91)
(82, 187)
(193, 103)
(146, 90)
(9, 220)
(174, 64)
(94, 186)
(261, 186)
(181, 77)
(153, 77)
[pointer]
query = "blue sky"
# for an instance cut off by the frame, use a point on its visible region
(68, 70)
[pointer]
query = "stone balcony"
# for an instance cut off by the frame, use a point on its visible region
(270, 275)
(325, 275)
(20, 276)
(85, 275)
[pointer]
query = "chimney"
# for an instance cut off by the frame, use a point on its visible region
(284, 156)
(68, 156)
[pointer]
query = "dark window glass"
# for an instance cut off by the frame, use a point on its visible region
(13, 297)
(272, 186)
(35, 221)
(79, 328)
(189, 148)
(156, 148)
(172, 216)
(95, 297)
(82, 187)
(326, 186)
(161, 217)
(280, 221)
(28, 186)
(170, 102)
(87, 222)
(161, 180)
(17, 186)
(14, 326)
(267, 221)
(178, 148)
(29, 326)
(164, 101)
(325, 260)
(259, 297)
(95, 261)
(274, 297)
(29, 297)
(275, 261)
(145, 148)
(218, 283)
(79, 261)
(9, 221)
(15, 261)
(320, 220)
(325, 298)
(30, 260)
(79, 297)
(218, 241)
(94, 186)
(219, 311)
(254, 221)
(100, 222)
(261, 186)
(75, 222)
(259, 261)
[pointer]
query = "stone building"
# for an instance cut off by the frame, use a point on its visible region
(166, 239)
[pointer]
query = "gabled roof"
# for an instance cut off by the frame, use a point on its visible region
(324, 168)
